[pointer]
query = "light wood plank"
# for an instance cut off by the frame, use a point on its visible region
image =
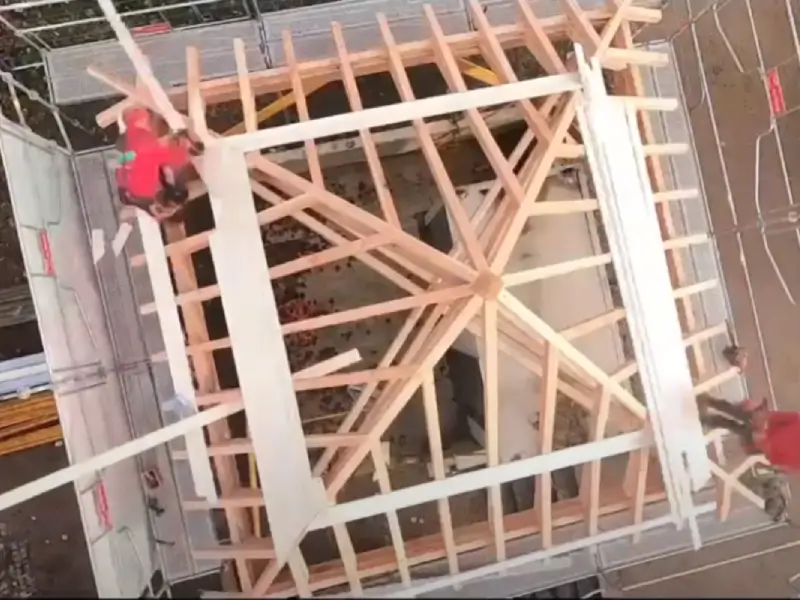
(548, 395)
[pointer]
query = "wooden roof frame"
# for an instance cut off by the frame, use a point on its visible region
(446, 294)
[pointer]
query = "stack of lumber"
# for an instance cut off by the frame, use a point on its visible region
(28, 423)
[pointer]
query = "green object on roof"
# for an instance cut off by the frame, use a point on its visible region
(126, 157)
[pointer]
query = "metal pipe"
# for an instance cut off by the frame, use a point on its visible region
(708, 567)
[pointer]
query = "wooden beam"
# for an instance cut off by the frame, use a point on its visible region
(370, 150)
(261, 362)
(369, 389)
(480, 479)
(569, 207)
(614, 149)
(399, 113)
(337, 318)
(541, 160)
(612, 26)
(314, 166)
(631, 368)
(396, 534)
(537, 40)
(379, 420)
(636, 484)
(339, 209)
(245, 90)
(631, 83)
(141, 65)
(580, 27)
(197, 108)
(437, 463)
(180, 372)
(349, 559)
(494, 54)
(256, 550)
(236, 446)
(570, 353)
(469, 538)
(455, 82)
(588, 262)
(208, 382)
(117, 454)
(548, 396)
(617, 314)
(444, 184)
(591, 472)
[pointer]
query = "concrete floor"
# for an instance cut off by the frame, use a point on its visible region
(741, 108)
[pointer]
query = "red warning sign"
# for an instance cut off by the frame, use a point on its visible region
(47, 254)
(152, 29)
(776, 102)
(101, 506)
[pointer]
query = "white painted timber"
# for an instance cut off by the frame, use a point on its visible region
(175, 348)
(293, 497)
(481, 479)
(401, 112)
(616, 159)
(115, 455)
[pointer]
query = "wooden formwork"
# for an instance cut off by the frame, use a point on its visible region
(469, 289)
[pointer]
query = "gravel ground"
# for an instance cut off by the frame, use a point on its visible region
(41, 541)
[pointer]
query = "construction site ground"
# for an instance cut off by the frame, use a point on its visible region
(50, 524)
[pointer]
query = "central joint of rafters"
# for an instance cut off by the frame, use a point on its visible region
(488, 285)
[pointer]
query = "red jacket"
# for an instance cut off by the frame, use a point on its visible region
(144, 155)
(780, 440)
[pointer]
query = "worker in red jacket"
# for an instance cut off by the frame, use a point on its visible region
(776, 434)
(153, 169)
